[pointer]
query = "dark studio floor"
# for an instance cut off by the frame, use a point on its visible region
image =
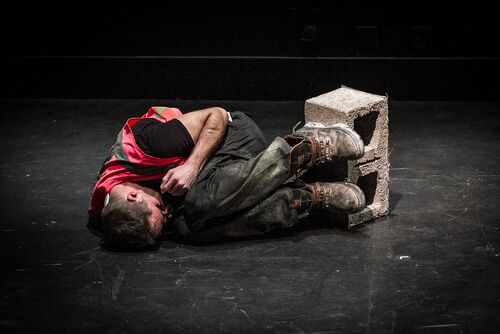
(431, 266)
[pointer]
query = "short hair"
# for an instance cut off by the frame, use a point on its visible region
(125, 225)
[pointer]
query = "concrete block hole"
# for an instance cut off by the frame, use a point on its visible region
(365, 127)
(368, 183)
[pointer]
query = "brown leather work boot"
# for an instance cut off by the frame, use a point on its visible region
(315, 143)
(341, 196)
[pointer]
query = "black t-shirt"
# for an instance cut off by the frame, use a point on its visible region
(163, 140)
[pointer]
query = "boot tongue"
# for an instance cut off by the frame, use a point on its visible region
(300, 156)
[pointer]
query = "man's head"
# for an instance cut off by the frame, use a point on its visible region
(133, 217)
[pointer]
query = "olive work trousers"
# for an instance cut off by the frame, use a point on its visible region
(240, 192)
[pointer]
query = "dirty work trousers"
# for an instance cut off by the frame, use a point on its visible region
(240, 192)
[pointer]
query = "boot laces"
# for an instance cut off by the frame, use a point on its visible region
(325, 148)
(321, 196)
(294, 129)
(321, 149)
(325, 196)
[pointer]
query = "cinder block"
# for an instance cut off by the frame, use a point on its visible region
(367, 114)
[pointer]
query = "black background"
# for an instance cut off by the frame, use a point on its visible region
(411, 50)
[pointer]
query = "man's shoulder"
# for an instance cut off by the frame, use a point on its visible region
(145, 122)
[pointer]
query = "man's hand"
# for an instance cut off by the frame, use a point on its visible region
(179, 180)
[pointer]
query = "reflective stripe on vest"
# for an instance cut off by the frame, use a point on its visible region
(128, 163)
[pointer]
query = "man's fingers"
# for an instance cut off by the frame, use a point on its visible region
(179, 189)
(165, 180)
(172, 182)
(168, 185)
(178, 180)
(179, 192)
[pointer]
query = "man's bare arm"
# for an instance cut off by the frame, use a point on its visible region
(207, 128)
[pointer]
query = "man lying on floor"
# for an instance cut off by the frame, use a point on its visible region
(211, 172)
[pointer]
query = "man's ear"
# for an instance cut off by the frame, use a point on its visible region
(132, 196)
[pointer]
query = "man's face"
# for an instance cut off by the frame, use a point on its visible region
(159, 212)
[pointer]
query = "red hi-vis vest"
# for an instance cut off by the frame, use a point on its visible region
(128, 163)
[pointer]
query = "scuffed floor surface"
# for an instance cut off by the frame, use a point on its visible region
(431, 266)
